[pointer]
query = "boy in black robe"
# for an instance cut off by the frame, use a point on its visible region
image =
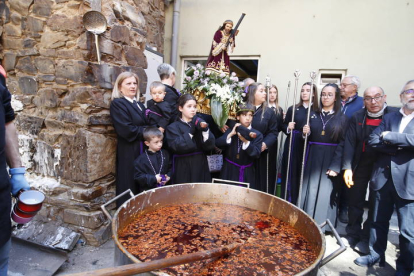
(158, 111)
(242, 144)
(152, 166)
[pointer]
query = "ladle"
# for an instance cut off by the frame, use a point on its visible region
(95, 22)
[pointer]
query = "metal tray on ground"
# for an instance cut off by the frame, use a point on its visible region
(28, 258)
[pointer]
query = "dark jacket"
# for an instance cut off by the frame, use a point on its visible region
(353, 106)
(171, 97)
(354, 140)
(396, 158)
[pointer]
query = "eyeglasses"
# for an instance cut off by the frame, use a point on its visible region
(345, 84)
(408, 91)
(376, 98)
(327, 95)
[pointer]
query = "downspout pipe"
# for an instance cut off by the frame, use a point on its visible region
(175, 24)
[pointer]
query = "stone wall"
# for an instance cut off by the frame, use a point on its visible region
(62, 97)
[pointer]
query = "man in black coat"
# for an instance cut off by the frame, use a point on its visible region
(392, 182)
(357, 161)
(167, 75)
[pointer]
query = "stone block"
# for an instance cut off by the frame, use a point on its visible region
(28, 85)
(61, 22)
(26, 149)
(89, 194)
(45, 159)
(9, 61)
(135, 57)
(110, 48)
(48, 52)
(34, 26)
(49, 138)
(82, 41)
(69, 54)
(77, 71)
(12, 43)
(29, 124)
(21, 6)
(101, 119)
(47, 78)
(26, 65)
(53, 40)
(131, 14)
(16, 18)
(46, 97)
(105, 74)
(90, 220)
(120, 34)
(96, 237)
(107, 180)
(82, 155)
(27, 52)
(42, 8)
(12, 30)
(45, 65)
(29, 43)
(70, 116)
(87, 95)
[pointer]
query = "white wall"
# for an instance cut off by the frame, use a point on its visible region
(371, 39)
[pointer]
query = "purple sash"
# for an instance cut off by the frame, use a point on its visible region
(241, 170)
(147, 112)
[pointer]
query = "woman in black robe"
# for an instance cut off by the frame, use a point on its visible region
(265, 121)
(273, 164)
(295, 129)
(240, 149)
(324, 157)
(129, 120)
(188, 139)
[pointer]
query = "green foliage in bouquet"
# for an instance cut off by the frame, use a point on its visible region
(222, 90)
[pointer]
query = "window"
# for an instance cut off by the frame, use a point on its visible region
(329, 76)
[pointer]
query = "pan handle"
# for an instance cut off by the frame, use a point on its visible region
(103, 207)
(217, 180)
(337, 252)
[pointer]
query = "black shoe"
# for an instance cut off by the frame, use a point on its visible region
(343, 215)
(369, 260)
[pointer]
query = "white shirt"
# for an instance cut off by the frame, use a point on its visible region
(405, 120)
(132, 101)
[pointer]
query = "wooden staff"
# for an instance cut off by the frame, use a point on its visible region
(280, 152)
(133, 269)
(296, 74)
(312, 75)
(267, 156)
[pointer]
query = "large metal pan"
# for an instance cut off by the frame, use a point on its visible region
(218, 193)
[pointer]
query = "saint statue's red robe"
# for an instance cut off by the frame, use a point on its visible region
(218, 60)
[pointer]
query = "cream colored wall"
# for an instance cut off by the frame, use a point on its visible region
(371, 39)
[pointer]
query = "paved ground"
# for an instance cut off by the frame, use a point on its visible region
(87, 258)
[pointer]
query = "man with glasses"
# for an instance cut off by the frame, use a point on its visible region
(357, 161)
(392, 184)
(351, 103)
(350, 100)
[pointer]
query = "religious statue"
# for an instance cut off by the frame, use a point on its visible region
(223, 44)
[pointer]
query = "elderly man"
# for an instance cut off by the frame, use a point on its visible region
(357, 161)
(350, 100)
(167, 76)
(392, 182)
(351, 103)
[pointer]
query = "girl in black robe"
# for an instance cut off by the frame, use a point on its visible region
(128, 118)
(324, 157)
(240, 148)
(189, 138)
(273, 162)
(265, 121)
(296, 153)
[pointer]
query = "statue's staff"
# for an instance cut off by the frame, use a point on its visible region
(312, 75)
(280, 152)
(267, 156)
(297, 75)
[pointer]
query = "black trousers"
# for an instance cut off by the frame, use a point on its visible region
(385, 199)
(356, 199)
